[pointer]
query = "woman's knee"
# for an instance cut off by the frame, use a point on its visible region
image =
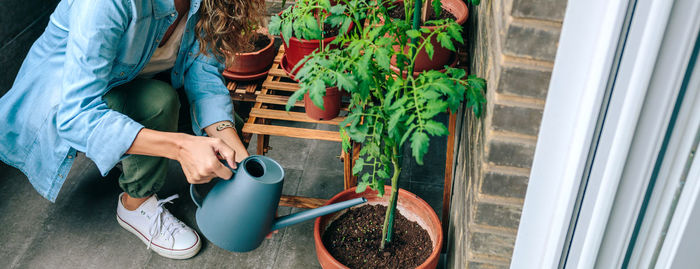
(161, 104)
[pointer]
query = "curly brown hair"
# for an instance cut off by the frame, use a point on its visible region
(225, 26)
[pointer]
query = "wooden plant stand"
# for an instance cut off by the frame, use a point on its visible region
(267, 113)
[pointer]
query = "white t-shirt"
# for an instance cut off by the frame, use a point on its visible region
(164, 57)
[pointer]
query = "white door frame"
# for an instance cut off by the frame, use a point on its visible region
(608, 162)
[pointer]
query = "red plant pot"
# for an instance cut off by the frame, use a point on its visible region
(252, 65)
(299, 48)
(441, 56)
(331, 105)
(408, 204)
(452, 63)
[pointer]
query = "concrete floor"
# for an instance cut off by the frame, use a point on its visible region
(80, 230)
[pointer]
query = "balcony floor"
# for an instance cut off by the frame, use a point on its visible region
(80, 230)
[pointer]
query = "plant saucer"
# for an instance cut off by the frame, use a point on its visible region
(287, 69)
(244, 77)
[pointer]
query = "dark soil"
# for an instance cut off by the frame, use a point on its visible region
(354, 238)
(257, 42)
(397, 12)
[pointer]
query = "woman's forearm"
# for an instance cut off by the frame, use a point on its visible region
(198, 156)
(156, 143)
(230, 137)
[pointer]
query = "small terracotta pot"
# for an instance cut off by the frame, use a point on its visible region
(251, 63)
(441, 56)
(331, 105)
(408, 204)
(299, 48)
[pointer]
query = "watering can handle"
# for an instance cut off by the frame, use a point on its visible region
(196, 197)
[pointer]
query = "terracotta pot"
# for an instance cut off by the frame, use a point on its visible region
(409, 204)
(452, 63)
(331, 105)
(252, 63)
(441, 56)
(299, 48)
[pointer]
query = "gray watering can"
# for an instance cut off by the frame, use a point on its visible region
(237, 214)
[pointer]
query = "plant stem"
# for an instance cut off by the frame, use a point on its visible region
(424, 11)
(388, 227)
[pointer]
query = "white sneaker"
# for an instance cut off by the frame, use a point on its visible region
(159, 229)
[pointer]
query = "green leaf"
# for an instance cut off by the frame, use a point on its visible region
(345, 140)
(435, 128)
(337, 9)
(379, 187)
(287, 32)
(344, 82)
(345, 27)
(313, 30)
(429, 50)
(382, 57)
(296, 96)
(419, 146)
(316, 93)
(475, 2)
(382, 174)
(456, 73)
(274, 25)
(361, 186)
(335, 20)
(433, 108)
(413, 33)
(455, 32)
(407, 134)
(359, 165)
(437, 7)
(445, 41)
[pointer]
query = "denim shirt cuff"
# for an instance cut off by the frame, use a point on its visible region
(210, 110)
(111, 139)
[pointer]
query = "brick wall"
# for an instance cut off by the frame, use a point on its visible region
(21, 23)
(513, 46)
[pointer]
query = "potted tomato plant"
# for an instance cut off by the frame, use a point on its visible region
(306, 27)
(389, 111)
(442, 51)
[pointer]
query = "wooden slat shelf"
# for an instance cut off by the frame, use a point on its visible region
(266, 129)
(277, 100)
(243, 91)
(281, 86)
(301, 202)
(289, 116)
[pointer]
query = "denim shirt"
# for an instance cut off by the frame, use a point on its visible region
(55, 106)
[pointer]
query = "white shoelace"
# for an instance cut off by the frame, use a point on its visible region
(170, 223)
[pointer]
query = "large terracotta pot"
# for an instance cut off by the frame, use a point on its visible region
(252, 65)
(331, 105)
(409, 204)
(441, 56)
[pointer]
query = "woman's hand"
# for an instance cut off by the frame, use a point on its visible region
(199, 158)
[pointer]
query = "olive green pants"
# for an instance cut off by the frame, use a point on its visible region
(156, 105)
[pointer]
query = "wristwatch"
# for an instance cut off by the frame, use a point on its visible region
(224, 125)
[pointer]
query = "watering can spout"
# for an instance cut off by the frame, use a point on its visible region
(295, 218)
